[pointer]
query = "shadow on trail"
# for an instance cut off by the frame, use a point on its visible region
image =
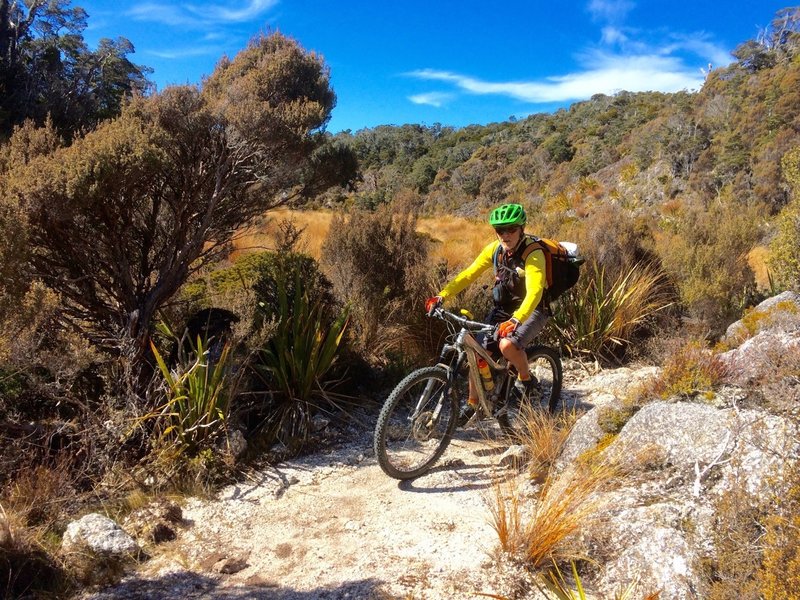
(177, 586)
(574, 401)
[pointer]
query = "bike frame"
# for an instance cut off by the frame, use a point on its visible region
(466, 347)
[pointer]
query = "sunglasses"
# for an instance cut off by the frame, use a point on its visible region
(504, 230)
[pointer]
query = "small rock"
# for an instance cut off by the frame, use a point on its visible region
(319, 423)
(516, 457)
(231, 565)
(100, 534)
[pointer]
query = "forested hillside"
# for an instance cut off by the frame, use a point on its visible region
(696, 181)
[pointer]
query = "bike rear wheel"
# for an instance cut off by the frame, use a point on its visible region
(545, 366)
(416, 423)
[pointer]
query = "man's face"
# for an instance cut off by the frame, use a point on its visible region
(509, 236)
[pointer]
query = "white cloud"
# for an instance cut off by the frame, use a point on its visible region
(641, 60)
(699, 45)
(251, 10)
(158, 13)
(607, 75)
(437, 99)
(610, 10)
(200, 16)
(613, 35)
(186, 52)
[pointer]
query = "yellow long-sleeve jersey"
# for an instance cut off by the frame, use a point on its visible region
(535, 279)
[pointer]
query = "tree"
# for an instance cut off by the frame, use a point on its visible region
(121, 218)
(47, 69)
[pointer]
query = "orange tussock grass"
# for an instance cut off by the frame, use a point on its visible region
(456, 240)
(757, 259)
(543, 435)
(261, 236)
(534, 531)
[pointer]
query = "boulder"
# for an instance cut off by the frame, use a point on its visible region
(744, 446)
(677, 460)
(647, 544)
(100, 535)
(233, 444)
(757, 357)
(779, 314)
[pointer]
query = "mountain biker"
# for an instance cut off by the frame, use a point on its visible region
(517, 294)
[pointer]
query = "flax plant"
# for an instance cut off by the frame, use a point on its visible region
(600, 318)
(198, 399)
(294, 363)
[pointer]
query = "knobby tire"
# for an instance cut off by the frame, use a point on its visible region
(406, 449)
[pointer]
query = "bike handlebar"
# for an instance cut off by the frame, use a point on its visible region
(475, 326)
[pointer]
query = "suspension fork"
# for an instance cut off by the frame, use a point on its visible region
(426, 393)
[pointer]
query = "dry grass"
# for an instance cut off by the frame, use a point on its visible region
(544, 435)
(535, 531)
(262, 235)
(457, 240)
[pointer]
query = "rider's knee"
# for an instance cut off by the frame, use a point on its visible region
(507, 346)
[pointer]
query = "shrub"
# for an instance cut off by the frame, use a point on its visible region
(612, 237)
(692, 370)
(377, 264)
(601, 319)
(779, 575)
(705, 253)
(784, 250)
(292, 367)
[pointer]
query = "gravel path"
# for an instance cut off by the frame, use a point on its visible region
(332, 525)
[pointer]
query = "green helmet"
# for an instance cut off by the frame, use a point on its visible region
(507, 214)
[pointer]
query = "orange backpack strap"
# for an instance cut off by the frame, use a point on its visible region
(547, 247)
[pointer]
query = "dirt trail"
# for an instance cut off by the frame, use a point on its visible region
(332, 525)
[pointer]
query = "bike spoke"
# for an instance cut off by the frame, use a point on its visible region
(415, 425)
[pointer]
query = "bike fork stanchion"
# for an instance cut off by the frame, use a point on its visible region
(423, 400)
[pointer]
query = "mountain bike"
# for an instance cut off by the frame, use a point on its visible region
(419, 417)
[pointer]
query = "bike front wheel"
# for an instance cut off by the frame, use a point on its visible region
(416, 423)
(545, 366)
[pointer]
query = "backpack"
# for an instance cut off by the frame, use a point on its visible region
(562, 264)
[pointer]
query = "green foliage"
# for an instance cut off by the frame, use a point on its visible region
(779, 574)
(198, 398)
(705, 255)
(278, 275)
(558, 148)
(600, 319)
(47, 71)
(113, 225)
(784, 250)
(294, 363)
(693, 370)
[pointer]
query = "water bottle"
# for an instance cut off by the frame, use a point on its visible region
(486, 375)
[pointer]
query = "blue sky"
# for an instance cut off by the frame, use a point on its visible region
(449, 62)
